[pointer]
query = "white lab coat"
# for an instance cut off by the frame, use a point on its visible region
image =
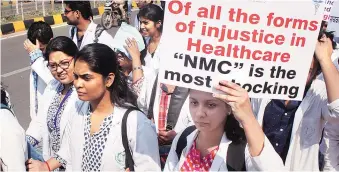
(38, 126)
(144, 98)
(13, 146)
(104, 38)
(140, 132)
(153, 62)
(267, 160)
(41, 85)
(308, 124)
(330, 144)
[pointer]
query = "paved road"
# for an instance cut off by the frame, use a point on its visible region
(15, 70)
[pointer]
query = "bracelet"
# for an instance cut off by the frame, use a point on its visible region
(49, 169)
(136, 68)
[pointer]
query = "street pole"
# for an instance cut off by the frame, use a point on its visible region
(22, 12)
(62, 4)
(17, 6)
(43, 8)
(52, 3)
(36, 5)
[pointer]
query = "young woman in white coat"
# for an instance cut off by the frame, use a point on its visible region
(216, 119)
(59, 97)
(151, 19)
(93, 139)
(13, 146)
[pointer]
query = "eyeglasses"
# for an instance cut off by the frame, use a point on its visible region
(63, 65)
(67, 11)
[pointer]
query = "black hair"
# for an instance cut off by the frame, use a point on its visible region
(40, 31)
(163, 4)
(330, 35)
(63, 44)
(120, 52)
(4, 98)
(152, 12)
(233, 130)
(83, 6)
(143, 54)
(323, 23)
(101, 59)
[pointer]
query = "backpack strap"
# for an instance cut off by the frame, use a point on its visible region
(178, 99)
(98, 30)
(73, 32)
(182, 142)
(236, 152)
(129, 162)
(150, 114)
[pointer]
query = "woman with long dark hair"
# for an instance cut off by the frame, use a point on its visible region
(97, 133)
(219, 143)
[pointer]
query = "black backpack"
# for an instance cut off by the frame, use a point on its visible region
(235, 153)
(98, 30)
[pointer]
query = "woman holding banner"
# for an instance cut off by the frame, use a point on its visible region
(217, 142)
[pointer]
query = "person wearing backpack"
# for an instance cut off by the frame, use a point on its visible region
(217, 142)
(84, 31)
(13, 147)
(108, 132)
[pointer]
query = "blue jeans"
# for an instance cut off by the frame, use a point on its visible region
(33, 153)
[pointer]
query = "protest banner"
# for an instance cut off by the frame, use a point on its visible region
(264, 46)
(333, 22)
(327, 9)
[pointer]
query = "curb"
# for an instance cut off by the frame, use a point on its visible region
(23, 25)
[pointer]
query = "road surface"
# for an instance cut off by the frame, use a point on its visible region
(15, 69)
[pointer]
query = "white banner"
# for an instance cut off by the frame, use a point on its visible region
(328, 9)
(333, 22)
(264, 46)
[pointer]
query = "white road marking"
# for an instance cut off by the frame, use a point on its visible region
(16, 72)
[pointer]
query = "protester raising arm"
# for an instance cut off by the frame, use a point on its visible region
(323, 53)
(37, 61)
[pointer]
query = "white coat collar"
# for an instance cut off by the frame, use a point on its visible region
(118, 112)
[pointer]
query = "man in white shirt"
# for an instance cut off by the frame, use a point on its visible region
(84, 31)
